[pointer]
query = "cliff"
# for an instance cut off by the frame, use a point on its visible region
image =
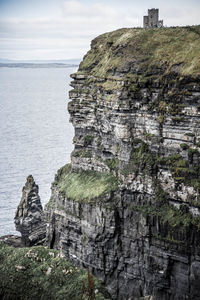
(128, 206)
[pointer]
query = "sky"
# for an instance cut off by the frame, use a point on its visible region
(63, 29)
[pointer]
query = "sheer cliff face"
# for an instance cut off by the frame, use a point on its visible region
(128, 205)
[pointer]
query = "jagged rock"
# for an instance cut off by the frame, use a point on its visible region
(29, 217)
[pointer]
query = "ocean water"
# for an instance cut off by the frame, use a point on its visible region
(35, 133)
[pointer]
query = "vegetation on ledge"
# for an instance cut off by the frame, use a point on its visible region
(182, 170)
(40, 273)
(82, 185)
(141, 158)
(176, 218)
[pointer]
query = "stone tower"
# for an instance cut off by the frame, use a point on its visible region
(152, 20)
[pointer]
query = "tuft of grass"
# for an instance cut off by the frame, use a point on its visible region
(192, 151)
(190, 134)
(141, 158)
(85, 185)
(112, 163)
(40, 273)
(88, 139)
(111, 85)
(184, 146)
(82, 153)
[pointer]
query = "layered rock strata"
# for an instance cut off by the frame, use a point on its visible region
(29, 217)
(128, 206)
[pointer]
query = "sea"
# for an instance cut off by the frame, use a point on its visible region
(35, 133)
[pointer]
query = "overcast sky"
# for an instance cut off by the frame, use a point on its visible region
(63, 29)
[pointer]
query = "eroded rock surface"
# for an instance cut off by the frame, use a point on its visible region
(29, 217)
(135, 107)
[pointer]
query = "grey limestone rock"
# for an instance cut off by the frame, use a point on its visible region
(29, 217)
(138, 120)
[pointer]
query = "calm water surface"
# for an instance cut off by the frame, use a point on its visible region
(35, 133)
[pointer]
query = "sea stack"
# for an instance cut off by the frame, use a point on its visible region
(29, 217)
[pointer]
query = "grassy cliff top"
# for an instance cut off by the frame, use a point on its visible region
(144, 51)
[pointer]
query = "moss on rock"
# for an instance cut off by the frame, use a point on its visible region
(83, 185)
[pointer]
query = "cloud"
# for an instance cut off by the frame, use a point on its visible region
(181, 16)
(74, 7)
(98, 13)
(68, 34)
(22, 37)
(72, 32)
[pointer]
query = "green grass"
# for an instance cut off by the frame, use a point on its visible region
(111, 85)
(88, 139)
(39, 273)
(190, 134)
(84, 185)
(192, 151)
(82, 153)
(152, 47)
(112, 163)
(169, 214)
(184, 146)
(143, 159)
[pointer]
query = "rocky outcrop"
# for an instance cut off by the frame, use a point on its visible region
(12, 240)
(29, 217)
(128, 206)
